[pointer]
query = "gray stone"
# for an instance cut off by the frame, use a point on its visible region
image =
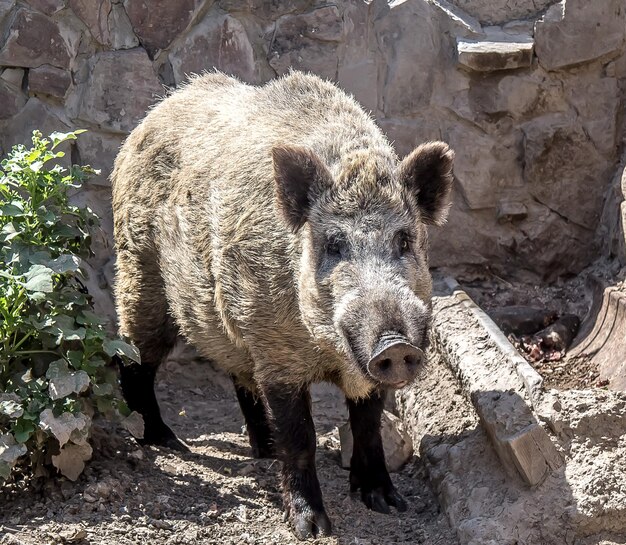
(357, 63)
(6, 6)
(34, 115)
(12, 100)
(508, 211)
(216, 42)
(107, 22)
(49, 7)
(487, 169)
(563, 169)
(13, 76)
(463, 21)
(597, 103)
(158, 22)
(500, 11)
(122, 35)
(308, 42)
(489, 56)
(410, 45)
(397, 443)
(550, 244)
(99, 150)
(559, 42)
(48, 80)
(33, 40)
(105, 100)
(264, 9)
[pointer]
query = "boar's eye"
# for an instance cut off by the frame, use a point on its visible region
(404, 242)
(335, 248)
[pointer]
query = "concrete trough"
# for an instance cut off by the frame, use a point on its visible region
(511, 461)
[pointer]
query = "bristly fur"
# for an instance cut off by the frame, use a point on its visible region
(274, 229)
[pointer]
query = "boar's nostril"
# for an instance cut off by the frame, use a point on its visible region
(394, 361)
(411, 360)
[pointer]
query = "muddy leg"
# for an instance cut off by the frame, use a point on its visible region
(257, 423)
(294, 438)
(367, 467)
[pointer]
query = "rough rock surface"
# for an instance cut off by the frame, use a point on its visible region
(105, 100)
(48, 80)
(220, 43)
(157, 23)
(33, 39)
(537, 145)
(558, 33)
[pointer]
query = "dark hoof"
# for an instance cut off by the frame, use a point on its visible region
(380, 501)
(263, 451)
(164, 438)
(311, 524)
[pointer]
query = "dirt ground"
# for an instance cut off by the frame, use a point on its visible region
(217, 494)
(565, 296)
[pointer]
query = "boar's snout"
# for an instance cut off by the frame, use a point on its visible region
(394, 360)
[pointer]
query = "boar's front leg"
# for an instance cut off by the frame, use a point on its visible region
(367, 466)
(294, 441)
(257, 423)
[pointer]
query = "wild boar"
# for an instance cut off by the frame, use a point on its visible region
(274, 228)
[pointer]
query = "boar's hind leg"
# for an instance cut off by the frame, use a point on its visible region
(294, 436)
(257, 422)
(144, 319)
(367, 467)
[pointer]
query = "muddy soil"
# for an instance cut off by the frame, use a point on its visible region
(217, 494)
(565, 296)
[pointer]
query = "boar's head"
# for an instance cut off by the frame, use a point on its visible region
(363, 282)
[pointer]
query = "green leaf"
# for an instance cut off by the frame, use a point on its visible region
(15, 208)
(10, 231)
(121, 348)
(64, 382)
(60, 137)
(87, 317)
(39, 279)
(65, 263)
(64, 327)
(22, 430)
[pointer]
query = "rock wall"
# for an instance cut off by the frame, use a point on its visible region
(532, 106)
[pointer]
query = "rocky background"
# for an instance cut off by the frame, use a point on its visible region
(530, 93)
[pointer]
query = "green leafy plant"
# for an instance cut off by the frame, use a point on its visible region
(54, 350)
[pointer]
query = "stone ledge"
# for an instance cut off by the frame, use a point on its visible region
(490, 56)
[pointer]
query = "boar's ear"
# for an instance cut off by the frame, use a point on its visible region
(427, 172)
(300, 177)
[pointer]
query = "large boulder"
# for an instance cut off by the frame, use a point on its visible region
(308, 41)
(34, 39)
(579, 31)
(12, 99)
(105, 98)
(107, 22)
(564, 170)
(218, 41)
(158, 22)
(49, 80)
(410, 46)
